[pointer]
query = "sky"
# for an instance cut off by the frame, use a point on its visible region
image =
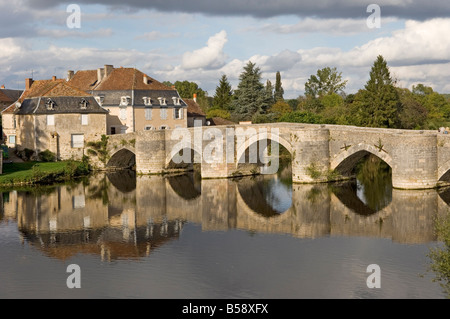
(200, 40)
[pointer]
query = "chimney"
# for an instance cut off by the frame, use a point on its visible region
(195, 97)
(54, 78)
(28, 83)
(108, 69)
(100, 74)
(145, 79)
(70, 75)
(3, 86)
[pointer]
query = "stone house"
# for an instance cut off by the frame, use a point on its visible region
(53, 115)
(134, 101)
(194, 112)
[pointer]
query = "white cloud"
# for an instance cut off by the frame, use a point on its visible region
(209, 57)
(74, 33)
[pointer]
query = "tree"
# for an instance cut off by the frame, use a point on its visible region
(223, 95)
(269, 93)
(413, 114)
(378, 105)
(278, 95)
(250, 96)
(327, 81)
(280, 108)
(187, 89)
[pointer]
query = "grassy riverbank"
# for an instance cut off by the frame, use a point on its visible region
(29, 173)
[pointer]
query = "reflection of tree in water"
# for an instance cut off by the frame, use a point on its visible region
(440, 256)
(260, 194)
(375, 181)
(371, 192)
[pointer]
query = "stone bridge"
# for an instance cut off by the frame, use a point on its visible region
(319, 153)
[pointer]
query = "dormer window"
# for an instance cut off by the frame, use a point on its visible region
(176, 100)
(147, 101)
(100, 99)
(50, 105)
(125, 100)
(162, 101)
(83, 104)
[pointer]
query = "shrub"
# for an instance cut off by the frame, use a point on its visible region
(218, 113)
(47, 156)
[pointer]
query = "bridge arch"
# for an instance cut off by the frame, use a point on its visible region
(444, 172)
(262, 136)
(122, 158)
(346, 160)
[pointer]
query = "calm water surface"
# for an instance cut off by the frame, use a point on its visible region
(181, 237)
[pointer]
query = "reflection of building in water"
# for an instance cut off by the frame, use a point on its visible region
(130, 219)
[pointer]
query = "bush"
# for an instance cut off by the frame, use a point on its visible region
(47, 156)
(218, 113)
(26, 154)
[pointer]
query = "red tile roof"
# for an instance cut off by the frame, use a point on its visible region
(129, 79)
(193, 109)
(84, 80)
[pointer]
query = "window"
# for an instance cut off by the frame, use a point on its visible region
(148, 128)
(164, 127)
(100, 99)
(15, 122)
(12, 139)
(49, 104)
(113, 130)
(163, 114)
(148, 113)
(178, 113)
(83, 104)
(176, 100)
(162, 101)
(50, 120)
(125, 100)
(77, 140)
(123, 130)
(147, 101)
(123, 114)
(84, 119)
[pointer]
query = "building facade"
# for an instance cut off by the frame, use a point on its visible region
(134, 101)
(52, 115)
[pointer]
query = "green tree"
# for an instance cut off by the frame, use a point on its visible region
(223, 95)
(413, 114)
(269, 93)
(278, 95)
(301, 117)
(378, 105)
(250, 96)
(187, 89)
(327, 81)
(280, 108)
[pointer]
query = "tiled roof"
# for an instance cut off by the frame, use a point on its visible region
(4, 97)
(129, 79)
(7, 95)
(64, 89)
(84, 80)
(39, 88)
(193, 108)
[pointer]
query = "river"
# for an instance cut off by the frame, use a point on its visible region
(253, 237)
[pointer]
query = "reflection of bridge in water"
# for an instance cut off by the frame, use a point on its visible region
(131, 220)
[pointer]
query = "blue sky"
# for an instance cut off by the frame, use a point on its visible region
(199, 40)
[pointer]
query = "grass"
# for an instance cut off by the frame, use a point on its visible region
(39, 172)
